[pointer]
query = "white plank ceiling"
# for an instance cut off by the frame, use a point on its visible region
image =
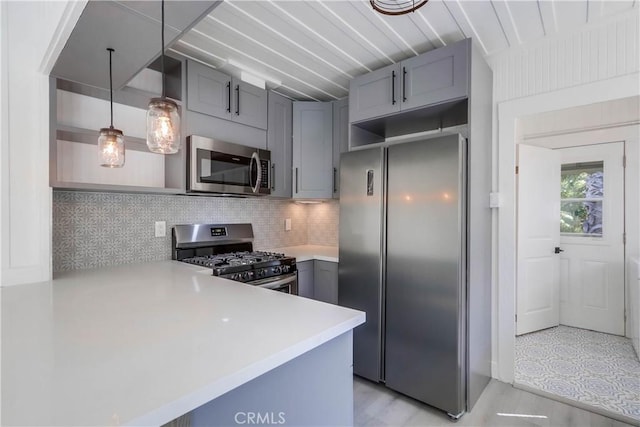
(309, 50)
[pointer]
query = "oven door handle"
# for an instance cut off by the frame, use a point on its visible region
(278, 283)
(256, 159)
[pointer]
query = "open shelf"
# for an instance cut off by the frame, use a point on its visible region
(439, 116)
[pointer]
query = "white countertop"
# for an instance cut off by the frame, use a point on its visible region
(309, 252)
(143, 344)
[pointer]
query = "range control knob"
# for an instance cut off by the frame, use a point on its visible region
(277, 270)
(260, 273)
(286, 268)
(246, 275)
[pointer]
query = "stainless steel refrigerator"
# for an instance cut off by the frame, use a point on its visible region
(404, 260)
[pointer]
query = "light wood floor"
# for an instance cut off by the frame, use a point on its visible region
(375, 405)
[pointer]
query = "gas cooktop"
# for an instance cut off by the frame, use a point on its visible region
(228, 250)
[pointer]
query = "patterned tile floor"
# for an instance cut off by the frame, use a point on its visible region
(590, 367)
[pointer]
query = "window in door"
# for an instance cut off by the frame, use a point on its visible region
(581, 198)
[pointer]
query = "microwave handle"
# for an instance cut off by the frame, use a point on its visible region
(255, 159)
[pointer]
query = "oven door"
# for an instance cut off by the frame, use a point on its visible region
(287, 283)
(221, 167)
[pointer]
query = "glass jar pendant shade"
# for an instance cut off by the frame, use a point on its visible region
(163, 126)
(111, 140)
(111, 148)
(163, 120)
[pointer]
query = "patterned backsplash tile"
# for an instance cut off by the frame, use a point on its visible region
(322, 223)
(103, 229)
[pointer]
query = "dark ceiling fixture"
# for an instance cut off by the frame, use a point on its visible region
(397, 7)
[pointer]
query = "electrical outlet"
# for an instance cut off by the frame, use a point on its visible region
(161, 228)
(287, 224)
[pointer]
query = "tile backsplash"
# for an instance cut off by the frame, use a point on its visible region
(103, 229)
(322, 223)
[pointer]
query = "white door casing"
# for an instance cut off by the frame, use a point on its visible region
(538, 280)
(592, 267)
(509, 112)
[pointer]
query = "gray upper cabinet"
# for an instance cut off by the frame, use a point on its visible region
(312, 150)
(208, 91)
(249, 105)
(436, 76)
(216, 94)
(279, 142)
(374, 94)
(340, 139)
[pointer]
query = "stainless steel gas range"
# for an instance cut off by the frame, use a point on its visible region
(228, 250)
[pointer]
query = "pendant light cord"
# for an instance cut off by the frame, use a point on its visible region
(162, 52)
(111, 84)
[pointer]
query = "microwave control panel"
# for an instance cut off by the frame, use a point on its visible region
(264, 179)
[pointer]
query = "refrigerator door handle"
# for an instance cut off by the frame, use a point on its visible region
(383, 265)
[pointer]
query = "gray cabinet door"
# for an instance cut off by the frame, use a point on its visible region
(436, 76)
(249, 104)
(216, 94)
(375, 94)
(325, 281)
(312, 150)
(340, 139)
(208, 91)
(279, 142)
(305, 278)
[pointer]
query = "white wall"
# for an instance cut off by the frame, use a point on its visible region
(31, 36)
(594, 64)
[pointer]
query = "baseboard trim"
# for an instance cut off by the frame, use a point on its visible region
(600, 411)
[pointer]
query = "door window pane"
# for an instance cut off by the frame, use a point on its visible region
(581, 217)
(582, 194)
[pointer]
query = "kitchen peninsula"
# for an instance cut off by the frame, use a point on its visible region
(143, 344)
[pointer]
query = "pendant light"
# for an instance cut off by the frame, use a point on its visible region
(163, 121)
(111, 140)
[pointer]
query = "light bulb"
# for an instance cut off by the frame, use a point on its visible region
(111, 148)
(163, 126)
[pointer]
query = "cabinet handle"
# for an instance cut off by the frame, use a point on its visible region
(237, 100)
(228, 97)
(404, 82)
(335, 190)
(296, 180)
(273, 177)
(393, 87)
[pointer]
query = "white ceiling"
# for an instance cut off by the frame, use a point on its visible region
(311, 49)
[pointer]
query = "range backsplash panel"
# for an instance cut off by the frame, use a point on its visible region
(104, 229)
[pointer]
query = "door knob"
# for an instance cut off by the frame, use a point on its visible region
(557, 250)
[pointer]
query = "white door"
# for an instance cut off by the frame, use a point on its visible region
(592, 228)
(538, 275)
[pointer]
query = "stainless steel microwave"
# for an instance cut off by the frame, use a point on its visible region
(221, 167)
